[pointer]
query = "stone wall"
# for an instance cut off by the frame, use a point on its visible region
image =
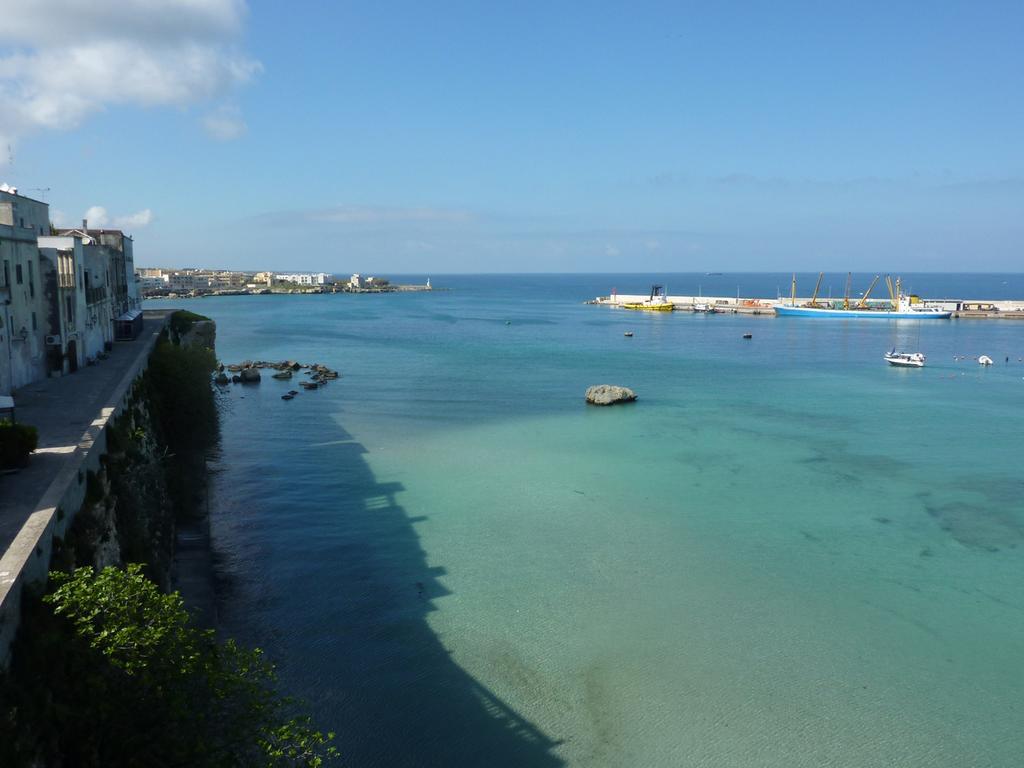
(107, 504)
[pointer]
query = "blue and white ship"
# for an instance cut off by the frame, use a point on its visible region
(899, 307)
(903, 311)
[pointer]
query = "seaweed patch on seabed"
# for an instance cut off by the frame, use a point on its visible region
(985, 527)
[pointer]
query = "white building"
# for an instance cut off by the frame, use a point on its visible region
(187, 281)
(149, 283)
(305, 278)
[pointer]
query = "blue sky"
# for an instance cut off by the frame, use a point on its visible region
(461, 137)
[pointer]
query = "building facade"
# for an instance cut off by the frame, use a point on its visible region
(22, 325)
(63, 263)
(59, 293)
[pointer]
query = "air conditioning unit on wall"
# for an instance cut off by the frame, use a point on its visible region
(54, 340)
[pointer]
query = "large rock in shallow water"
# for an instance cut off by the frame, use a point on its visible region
(250, 376)
(609, 394)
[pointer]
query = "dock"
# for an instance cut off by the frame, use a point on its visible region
(981, 309)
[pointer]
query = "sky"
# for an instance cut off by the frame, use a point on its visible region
(394, 137)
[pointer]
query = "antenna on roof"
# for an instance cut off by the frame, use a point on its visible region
(41, 190)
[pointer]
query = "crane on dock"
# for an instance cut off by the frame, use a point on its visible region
(864, 299)
(814, 298)
(846, 296)
(892, 292)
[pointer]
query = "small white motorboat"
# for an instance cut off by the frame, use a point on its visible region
(985, 360)
(905, 359)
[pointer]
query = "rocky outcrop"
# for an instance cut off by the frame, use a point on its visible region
(609, 394)
(248, 372)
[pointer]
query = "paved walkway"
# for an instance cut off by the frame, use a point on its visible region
(62, 409)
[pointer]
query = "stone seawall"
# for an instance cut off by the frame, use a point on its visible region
(97, 481)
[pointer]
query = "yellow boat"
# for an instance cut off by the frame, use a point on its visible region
(658, 301)
(665, 306)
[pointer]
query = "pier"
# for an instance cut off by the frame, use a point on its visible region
(989, 309)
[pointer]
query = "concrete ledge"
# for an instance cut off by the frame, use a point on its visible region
(27, 560)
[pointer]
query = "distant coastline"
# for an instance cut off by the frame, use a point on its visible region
(154, 283)
(303, 291)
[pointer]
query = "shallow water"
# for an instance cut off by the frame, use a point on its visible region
(785, 553)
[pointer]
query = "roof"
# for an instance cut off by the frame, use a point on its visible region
(92, 232)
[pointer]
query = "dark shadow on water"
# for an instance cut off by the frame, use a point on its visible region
(344, 614)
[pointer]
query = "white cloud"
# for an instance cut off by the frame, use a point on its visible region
(67, 59)
(137, 220)
(224, 124)
(98, 217)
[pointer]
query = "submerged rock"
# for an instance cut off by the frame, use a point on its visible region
(609, 394)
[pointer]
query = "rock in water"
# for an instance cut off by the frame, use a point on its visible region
(609, 394)
(222, 379)
(250, 376)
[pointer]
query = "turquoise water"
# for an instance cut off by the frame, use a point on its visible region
(785, 553)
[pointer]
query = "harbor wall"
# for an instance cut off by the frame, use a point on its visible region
(1005, 309)
(26, 562)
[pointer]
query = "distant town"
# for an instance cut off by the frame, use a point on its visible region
(160, 282)
(68, 293)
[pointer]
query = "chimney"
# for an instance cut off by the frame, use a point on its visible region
(85, 225)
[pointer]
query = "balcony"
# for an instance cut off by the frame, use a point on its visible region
(95, 295)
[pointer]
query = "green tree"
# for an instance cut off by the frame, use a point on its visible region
(123, 678)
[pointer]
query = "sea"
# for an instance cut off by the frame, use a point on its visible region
(784, 553)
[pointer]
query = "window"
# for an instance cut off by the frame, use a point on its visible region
(7, 272)
(31, 279)
(34, 326)
(17, 273)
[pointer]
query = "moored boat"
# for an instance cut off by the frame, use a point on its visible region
(905, 311)
(905, 359)
(657, 302)
(899, 306)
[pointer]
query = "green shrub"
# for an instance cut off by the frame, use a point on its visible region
(182, 320)
(115, 674)
(17, 441)
(181, 396)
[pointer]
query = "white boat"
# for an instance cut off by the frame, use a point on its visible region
(705, 307)
(985, 360)
(905, 359)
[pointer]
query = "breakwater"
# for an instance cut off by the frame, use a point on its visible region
(1006, 309)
